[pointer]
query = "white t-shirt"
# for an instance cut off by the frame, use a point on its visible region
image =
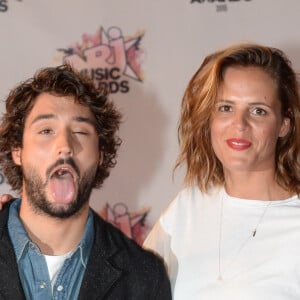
(198, 235)
(55, 263)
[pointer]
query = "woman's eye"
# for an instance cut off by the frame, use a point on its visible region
(259, 111)
(225, 108)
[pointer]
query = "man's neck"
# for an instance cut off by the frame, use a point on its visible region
(53, 236)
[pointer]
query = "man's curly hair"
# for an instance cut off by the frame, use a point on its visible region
(61, 81)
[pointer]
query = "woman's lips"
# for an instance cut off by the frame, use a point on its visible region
(238, 144)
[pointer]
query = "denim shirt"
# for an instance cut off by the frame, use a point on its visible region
(33, 270)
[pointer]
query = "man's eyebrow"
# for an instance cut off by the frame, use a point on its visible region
(43, 117)
(53, 116)
(85, 120)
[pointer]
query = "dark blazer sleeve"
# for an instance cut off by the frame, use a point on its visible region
(163, 289)
(10, 284)
(120, 269)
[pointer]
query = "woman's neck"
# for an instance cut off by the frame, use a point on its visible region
(260, 185)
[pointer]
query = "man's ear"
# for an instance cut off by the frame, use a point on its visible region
(16, 155)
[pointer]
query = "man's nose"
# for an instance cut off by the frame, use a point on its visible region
(65, 144)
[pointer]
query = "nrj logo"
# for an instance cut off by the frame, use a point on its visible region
(4, 5)
(133, 224)
(108, 57)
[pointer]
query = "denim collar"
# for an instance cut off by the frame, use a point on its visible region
(21, 240)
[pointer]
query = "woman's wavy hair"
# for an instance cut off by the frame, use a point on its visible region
(198, 104)
(60, 81)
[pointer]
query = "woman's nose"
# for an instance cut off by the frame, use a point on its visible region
(240, 121)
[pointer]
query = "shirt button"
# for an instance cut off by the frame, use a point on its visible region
(43, 285)
(60, 288)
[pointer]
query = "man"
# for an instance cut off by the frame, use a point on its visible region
(57, 142)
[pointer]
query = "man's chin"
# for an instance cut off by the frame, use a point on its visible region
(58, 210)
(45, 201)
(62, 204)
(61, 212)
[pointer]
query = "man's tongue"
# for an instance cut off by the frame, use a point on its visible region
(62, 187)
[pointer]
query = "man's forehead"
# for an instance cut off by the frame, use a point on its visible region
(48, 106)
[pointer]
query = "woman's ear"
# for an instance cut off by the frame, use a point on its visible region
(285, 127)
(16, 155)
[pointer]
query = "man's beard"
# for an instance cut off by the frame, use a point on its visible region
(36, 192)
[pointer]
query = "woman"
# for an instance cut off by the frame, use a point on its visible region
(233, 232)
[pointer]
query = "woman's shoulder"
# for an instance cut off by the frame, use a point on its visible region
(192, 195)
(188, 201)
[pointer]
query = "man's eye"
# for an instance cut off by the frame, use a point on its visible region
(45, 131)
(81, 132)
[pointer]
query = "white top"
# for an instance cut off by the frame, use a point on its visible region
(196, 237)
(55, 263)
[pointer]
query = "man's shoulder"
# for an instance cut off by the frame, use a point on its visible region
(113, 239)
(117, 263)
(115, 236)
(4, 213)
